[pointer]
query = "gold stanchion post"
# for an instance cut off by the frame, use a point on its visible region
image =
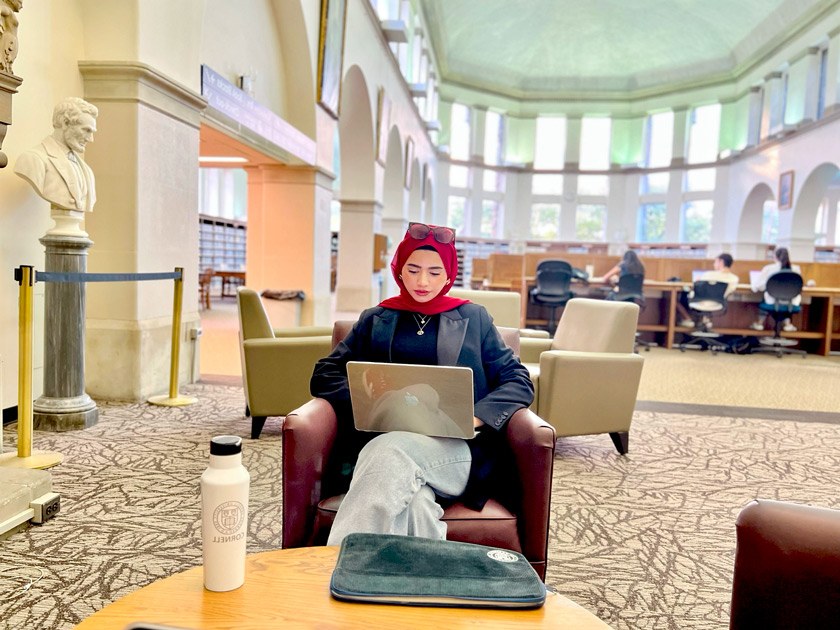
(25, 457)
(173, 399)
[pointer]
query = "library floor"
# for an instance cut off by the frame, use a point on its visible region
(760, 381)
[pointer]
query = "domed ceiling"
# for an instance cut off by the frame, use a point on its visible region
(560, 48)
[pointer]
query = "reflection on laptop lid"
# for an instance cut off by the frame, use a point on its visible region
(428, 399)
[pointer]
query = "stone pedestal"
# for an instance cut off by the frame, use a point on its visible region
(64, 405)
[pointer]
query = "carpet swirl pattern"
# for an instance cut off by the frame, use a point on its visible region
(642, 541)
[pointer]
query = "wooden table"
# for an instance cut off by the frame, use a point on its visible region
(823, 301)
(230, 278)
(289, 588)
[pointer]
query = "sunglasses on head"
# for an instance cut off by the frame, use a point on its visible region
(442, 234)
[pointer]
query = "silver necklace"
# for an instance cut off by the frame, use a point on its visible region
(422, 321)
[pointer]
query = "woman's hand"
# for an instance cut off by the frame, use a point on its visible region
(477, 422)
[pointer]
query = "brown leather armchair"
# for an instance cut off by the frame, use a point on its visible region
(787, 567)
(309, 434)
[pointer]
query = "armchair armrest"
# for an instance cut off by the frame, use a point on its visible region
(787, 567)
(308, 436)
(530, 348)
(531, 441)
(304, 331)
(534, 333)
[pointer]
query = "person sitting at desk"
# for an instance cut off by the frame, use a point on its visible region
(721, 273)
(760, 283)
(629, 264)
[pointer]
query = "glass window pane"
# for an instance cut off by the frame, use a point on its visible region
(545, 221)
(821, 223)
(494, 181)
(700, 179)
(550, 145)
(596, 185)
(460, 132)
(595, 143)
(659, 139)
(493, 138)
(490, 219)
(696, 221)
(654, 183)
(650, 227)
(703, 133)
(459, 177)
(590, 222)
(770, 222)
(456, 209)
(547, 185)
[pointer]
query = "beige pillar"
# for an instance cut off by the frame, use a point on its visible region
(289, 237)
(357, 286)
(145, 157)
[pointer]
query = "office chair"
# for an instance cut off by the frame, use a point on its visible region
(630, 289)
(709, 299)
(520, 522)
(554, 279)
(783, 286)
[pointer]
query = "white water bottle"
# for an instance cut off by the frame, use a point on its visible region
(224, 514)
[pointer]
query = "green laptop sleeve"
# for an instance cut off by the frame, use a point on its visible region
(387, 569)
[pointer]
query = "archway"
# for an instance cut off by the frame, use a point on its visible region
(799, 224)
(293, 38)
(428, 196)
(415, 192)
(393, 202)
(360, 212)
(748, 239)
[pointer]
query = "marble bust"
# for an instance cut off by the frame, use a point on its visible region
(56, 170)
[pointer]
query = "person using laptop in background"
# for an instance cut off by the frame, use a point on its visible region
(629, 263)
(398, 475)
(721, 273)
(759, 283)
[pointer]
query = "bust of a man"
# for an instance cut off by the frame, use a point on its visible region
(55, 168)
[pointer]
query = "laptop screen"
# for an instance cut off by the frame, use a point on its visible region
(697, 274)
(428, 399)
(755, 276)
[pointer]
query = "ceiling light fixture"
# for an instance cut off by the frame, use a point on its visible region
(222, 159)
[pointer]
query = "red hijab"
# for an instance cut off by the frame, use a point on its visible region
(441, 302)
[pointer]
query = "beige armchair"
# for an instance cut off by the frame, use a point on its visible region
(275, 369)
(587, 376)
(505, 307)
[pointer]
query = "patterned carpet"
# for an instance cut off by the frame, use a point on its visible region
(643, 541)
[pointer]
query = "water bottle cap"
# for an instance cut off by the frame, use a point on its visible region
(226, 445)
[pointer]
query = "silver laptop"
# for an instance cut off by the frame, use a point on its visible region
(428, 399)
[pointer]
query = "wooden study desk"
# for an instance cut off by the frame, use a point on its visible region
(289, 588)
(819, 306)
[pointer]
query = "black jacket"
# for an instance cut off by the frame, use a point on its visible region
(466, 337)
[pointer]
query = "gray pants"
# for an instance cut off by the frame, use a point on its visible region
(394, 485)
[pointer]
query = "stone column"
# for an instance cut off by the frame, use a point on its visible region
(64, 405)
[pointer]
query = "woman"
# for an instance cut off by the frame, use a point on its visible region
(630, 263)
(760, 283)
(398, 475)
